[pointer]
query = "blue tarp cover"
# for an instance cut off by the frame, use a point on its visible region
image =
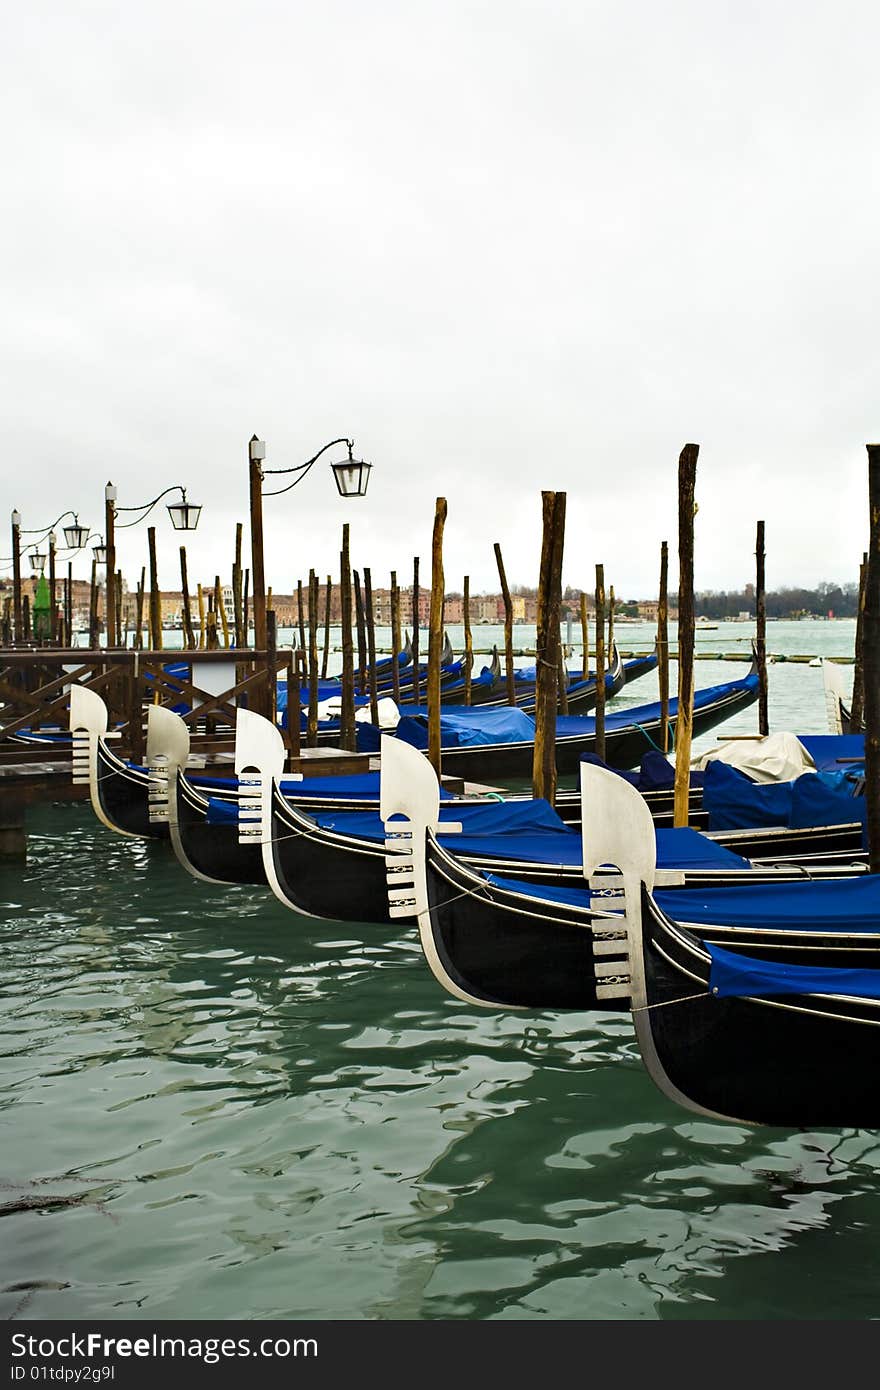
(734, 802)
(734, 976)
(533, 831)
(826, 750)
(852, 905)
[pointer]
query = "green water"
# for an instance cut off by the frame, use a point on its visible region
(212, 1108)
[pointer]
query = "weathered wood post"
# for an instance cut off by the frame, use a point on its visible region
(155, 597)
(416, 676)
(871, 663)
(663, 646)
(203, 634)
(599, 710)
(325, 658)
(312, 724)
(294, 703)
(244, 608)
(468, 640)
(17, 617)
(508, 628)
(240, 634)
(300, 616)
(68, 606)
(347, 729)
(271, 666)
(687, 473)
(53, 613)
(93, 608)
(360, 624)
(435, 635)
(857, 703)
(189, 636)
(371, 646)
(256, 454)
(547, 646)
(139, 611)
(396, 644)
(610, 625)
(110, 541)
(585, 639)
(761, 631)
(120, 639)
(220, 607)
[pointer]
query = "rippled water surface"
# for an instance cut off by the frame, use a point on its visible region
(213, 1108)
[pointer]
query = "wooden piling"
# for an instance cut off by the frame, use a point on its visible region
(189, 637)
(548, 646)
(610, 647)
(435, 635)
(687, 473)
(871, 663)
(68, 606)
(294, 703)
(415, 633)
(857, 702)
(155, 596)
(599, 710)
(120, 638)
(325, 658)
(371, 646)
(300, 616)
(396, 643)
(508, 628)
(312, 723)
(361, 635)
(271, 703)
(139, 611)
(244, 609)
(240, 633)
(200, 593)
(585, 639)
(468, 641)
(347, 730)
(663, 646)
(761, 631)
(93, 610)
(220, 607)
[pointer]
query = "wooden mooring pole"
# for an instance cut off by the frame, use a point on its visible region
(687, 474)
(468, 640)
(548, 646)
(435, 635)
(325, 656)
(761, 632)
(508, 628)
(663, 646)
(155, 596)
(312, 728)
(857, 703)
(370, 620)
(415, 633)
(347, 730)
(599, 711)
(871, 663)
(396, 644)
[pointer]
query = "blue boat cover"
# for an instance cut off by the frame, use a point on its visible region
(532, 831)
(360, 786)
(502, 724)
(735, 976)
(823, 906)
(734, 802)
(827, 750)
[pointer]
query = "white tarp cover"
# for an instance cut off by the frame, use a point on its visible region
(389, 714)
(774, 758)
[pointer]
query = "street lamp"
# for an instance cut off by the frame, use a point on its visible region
(351, 476)
(184, 517)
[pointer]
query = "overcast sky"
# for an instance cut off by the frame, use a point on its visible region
(503, 246)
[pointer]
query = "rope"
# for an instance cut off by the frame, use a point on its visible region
(643, 730)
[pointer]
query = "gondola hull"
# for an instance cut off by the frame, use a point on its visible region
(801, 1061)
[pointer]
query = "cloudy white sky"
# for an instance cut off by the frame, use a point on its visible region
(503, 246)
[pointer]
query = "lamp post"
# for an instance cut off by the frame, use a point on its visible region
(184, 517)
(352, 477)
(75, 537)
